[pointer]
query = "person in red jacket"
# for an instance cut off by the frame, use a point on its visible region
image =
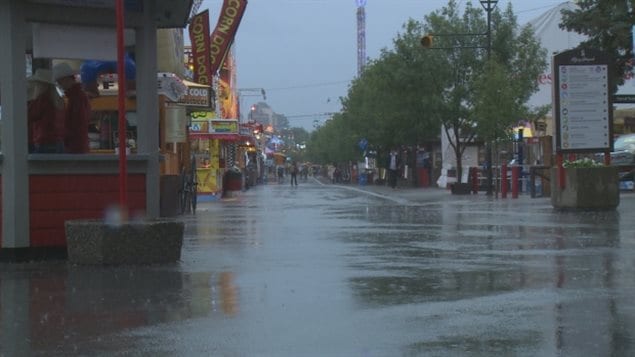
(77, 110)
(45, 113)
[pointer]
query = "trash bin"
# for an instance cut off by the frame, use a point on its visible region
(363, 179)
(232, 181)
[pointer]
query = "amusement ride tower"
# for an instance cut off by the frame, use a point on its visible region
(361, 36)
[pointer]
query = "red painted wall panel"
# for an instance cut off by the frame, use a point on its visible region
(58, 198)
(0, 211)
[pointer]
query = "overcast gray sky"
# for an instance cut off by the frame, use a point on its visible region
(304, 52)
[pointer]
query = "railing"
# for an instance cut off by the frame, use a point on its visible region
(527, 181)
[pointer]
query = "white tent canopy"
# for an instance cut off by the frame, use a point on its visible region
(556, 40)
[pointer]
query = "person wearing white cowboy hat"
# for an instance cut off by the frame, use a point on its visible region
(38, 82)
(63, 71)
(42, 75)
(78, 110)
(45, 114)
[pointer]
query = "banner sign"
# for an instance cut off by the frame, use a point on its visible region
(624, 98)
(224, 126)
(199, 28)
(197, 97)
(214, 126)
(203, 115)
(175, 124)
(226, 82)
(223, 35)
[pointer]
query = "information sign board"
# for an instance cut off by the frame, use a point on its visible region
(582, 103)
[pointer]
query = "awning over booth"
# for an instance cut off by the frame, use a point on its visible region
(245, 139)
(166, 13)
(217, 136)
(168, 84)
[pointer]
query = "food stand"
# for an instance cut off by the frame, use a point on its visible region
(212, 140)
(175, 97)
(41, 191)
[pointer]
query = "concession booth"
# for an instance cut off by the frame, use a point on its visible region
(177, 97)
(39, 192)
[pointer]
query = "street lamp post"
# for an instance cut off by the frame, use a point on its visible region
(488, 6)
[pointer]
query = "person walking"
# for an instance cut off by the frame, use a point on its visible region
(78, 110)
(45, 113)
(393, 167)
(294, 173)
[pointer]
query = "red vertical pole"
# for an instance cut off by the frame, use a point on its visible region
(121, 108)
(515, 177)
(561, 179)
(474, 180)
(504, 180)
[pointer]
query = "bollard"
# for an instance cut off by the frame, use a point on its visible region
(561, 178)
(474, 179)
(504, 180)
(515, 181)
(532, 182)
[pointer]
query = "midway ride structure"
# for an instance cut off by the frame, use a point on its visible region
(361, 36)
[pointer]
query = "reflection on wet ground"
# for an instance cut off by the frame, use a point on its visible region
(325, 270)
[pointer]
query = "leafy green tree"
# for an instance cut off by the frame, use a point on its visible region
(295, 139)
(408, 94)
(300, 135)
(281, 121)
(333, 142)
(477, 96)
(608, 24)
(384, 105)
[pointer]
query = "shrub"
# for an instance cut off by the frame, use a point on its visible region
(582, 163)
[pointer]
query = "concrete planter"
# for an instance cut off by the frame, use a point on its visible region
(151, 242)
(592, 188)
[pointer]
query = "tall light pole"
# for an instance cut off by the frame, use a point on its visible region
(427, 42)
(252, 92)
(488, 6)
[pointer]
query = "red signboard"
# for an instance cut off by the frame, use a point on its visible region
(223, 35)
(199, 28)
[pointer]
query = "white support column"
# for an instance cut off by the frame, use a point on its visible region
(15, 177)
(148, 105)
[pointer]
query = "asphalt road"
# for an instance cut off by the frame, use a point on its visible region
(327, 270)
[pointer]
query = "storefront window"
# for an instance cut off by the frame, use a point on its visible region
(103, 132)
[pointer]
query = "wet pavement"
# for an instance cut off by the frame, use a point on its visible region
(326, 270)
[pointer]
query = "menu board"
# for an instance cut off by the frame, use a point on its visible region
(584, 98)
(582, 101)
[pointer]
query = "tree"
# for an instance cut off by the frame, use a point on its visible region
(295, 139)
(408, 93)
(333, 142)
(384, 105)
(477, 97)
(281, 122)
(507, 82)
(608, 24)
